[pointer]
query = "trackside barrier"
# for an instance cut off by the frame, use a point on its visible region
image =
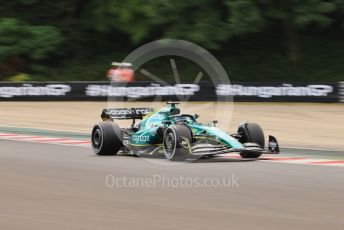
(341, 92)
(185, 91)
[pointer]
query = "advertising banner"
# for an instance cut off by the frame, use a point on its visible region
(149, 91)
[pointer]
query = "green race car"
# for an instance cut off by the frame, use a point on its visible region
(176, 135)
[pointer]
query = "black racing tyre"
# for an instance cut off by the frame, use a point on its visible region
(106, 138)
(177, 142)
(253, 133)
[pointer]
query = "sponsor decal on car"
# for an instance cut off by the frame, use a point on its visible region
(127, 111)
(115, 112)
(143, 138)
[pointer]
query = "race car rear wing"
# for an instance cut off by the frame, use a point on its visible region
(125, 113)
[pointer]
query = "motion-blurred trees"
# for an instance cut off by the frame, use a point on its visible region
(199, 21)
(34, 30)
(293, 15)
(21, 43)
(211, 23)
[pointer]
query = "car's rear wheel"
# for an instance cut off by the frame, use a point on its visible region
(177, 142)
(106, 138)
(252, 133)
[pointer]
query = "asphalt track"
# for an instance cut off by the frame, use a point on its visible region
(47, 186)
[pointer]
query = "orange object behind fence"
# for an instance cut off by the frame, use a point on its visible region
(121, 72)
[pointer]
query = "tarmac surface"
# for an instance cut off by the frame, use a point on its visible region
(47, 186)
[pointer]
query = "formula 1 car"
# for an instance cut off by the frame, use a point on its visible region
(176, 135)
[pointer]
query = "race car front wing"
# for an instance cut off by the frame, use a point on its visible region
(211, 149)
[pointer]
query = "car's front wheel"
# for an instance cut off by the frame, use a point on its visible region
(106, 138)
(252, 133)
(177, 142)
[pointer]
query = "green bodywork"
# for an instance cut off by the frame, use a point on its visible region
(149, 125)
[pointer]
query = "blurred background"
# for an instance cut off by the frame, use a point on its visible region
(255, 40)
